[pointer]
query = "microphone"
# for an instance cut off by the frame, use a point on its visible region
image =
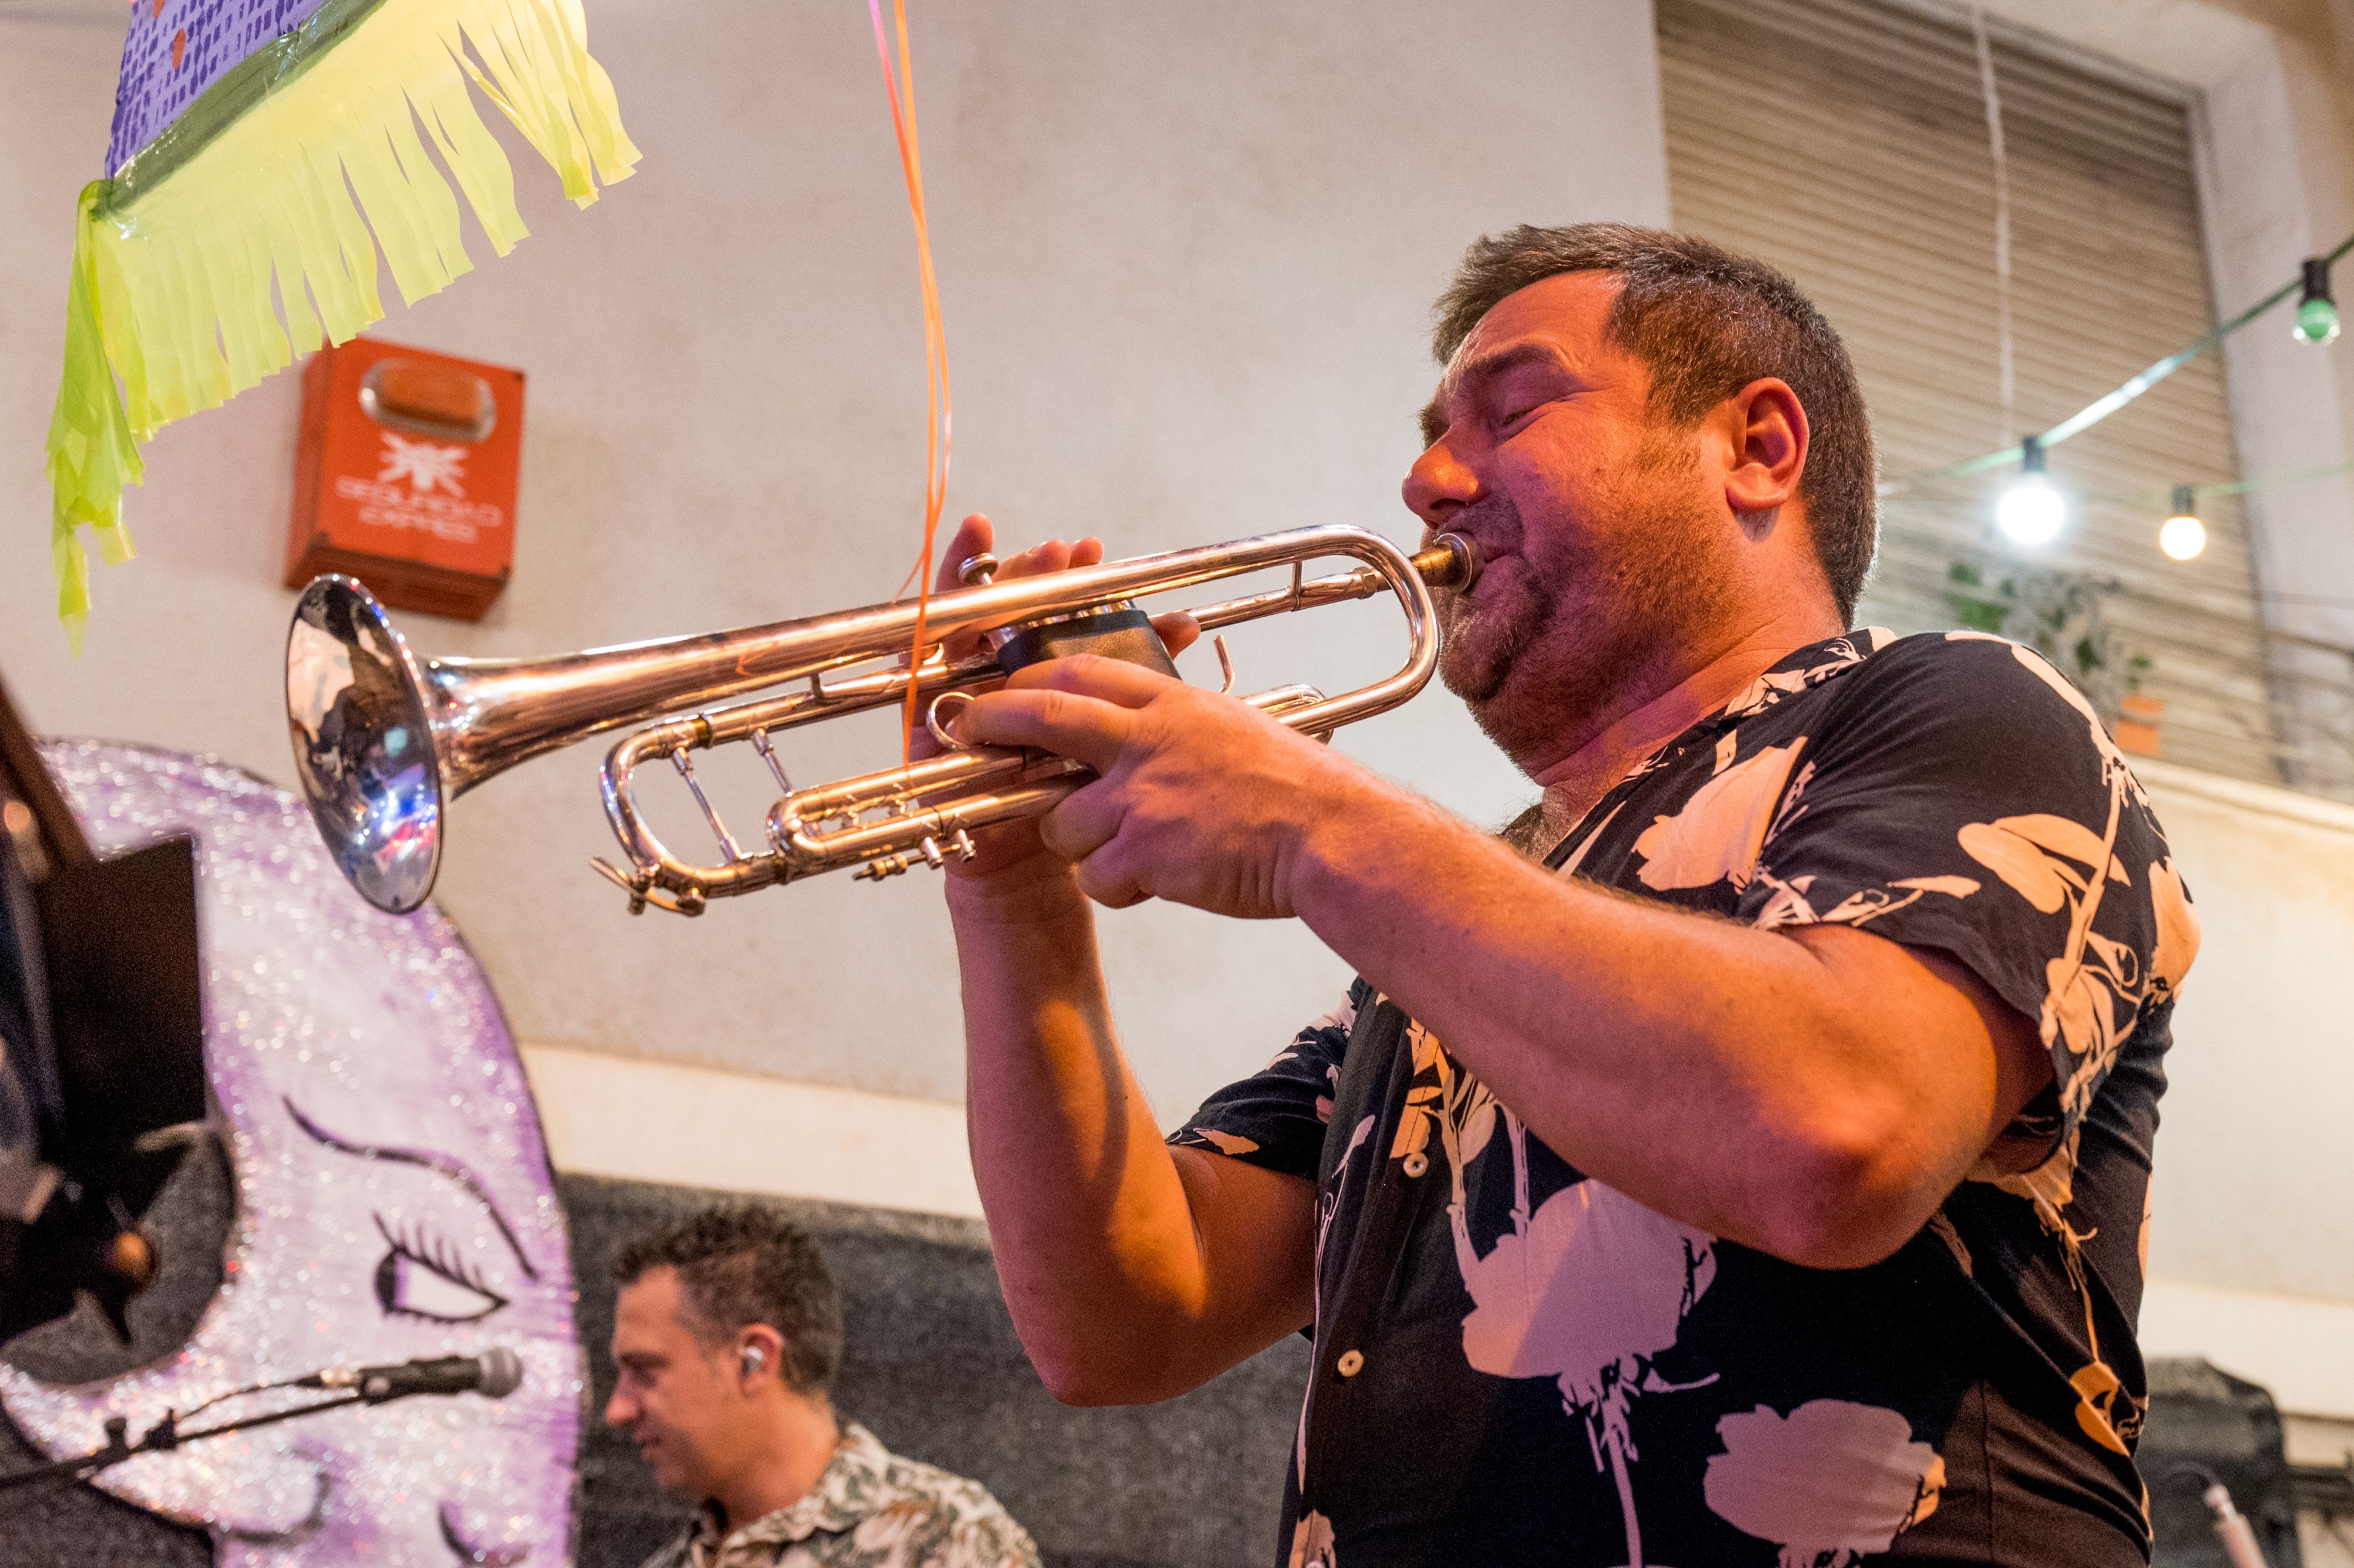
(493, 1374)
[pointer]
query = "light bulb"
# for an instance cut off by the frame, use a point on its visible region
(2030, 511)
(2317, 313)
(2182, 536)
(2316, 322)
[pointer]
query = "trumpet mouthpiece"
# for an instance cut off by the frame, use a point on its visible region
(1452, 561)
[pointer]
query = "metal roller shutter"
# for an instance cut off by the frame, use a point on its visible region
(1845, 140)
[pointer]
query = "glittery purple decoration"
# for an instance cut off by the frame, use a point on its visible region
(213, 35)
(394, 1199)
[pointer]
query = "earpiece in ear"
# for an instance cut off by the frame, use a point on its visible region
(755, 1358)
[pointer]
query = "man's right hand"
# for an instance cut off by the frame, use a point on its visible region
(1011, 856)
(1133, 1271)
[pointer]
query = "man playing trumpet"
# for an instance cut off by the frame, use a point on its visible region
(1741, 1163)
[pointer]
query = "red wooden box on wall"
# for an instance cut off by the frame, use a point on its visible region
(405, 476)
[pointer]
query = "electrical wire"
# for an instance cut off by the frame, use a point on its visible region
(2108, 403)
(2225, 487)
(240, 1394)
(2162, 496)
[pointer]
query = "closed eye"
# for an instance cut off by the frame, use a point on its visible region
(422, 1276)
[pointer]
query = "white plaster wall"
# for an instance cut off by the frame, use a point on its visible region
(2250, 1242)
(1186, 256)
(2254, 1162)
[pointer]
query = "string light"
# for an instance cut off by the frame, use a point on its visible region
(2030, 511)
(2314, 280)
(2183, 536)
(2316, 313)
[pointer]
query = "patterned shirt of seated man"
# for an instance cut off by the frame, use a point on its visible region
(727, 1333)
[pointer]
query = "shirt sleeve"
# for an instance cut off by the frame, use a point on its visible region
(1275, 1118)
(1963, 796)
(992, 1541)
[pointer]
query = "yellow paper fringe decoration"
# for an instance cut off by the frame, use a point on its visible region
(171, 289)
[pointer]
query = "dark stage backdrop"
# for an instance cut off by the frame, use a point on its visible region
(932, 1366)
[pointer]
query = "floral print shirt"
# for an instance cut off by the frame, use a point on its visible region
(870, 1508)
(1517, 1364)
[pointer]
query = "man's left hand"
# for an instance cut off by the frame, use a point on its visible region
(1199, 798)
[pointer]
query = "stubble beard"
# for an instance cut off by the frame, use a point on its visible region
(1582, 636)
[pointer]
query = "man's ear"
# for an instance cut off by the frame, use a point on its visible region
(1766, 448)
(759, 1355)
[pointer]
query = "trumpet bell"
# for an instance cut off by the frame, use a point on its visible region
(356, 712)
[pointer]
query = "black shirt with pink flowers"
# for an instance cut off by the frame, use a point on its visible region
(1517, 1364)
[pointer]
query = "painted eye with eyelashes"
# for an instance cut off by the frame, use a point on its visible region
(422, 1276)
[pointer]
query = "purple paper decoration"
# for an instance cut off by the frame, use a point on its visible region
(213, 35)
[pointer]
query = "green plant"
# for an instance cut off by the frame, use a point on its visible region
(2060, 615)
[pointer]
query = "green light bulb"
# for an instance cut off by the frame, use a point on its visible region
(2317, 320)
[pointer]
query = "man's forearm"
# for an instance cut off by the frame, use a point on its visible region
(1716, 1073)
(1095, 1242)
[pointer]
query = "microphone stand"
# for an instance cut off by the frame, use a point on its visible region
(161, 1438)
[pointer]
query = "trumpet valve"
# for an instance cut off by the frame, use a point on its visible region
(928, 850)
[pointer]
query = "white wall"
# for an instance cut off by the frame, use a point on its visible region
(1186, 256)
(2251, 1240)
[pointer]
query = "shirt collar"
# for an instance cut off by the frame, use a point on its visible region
(1802, 670)
(848, 1489)
(1807, 667)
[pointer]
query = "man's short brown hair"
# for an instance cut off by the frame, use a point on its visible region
(740, 1264)
(1707, 322)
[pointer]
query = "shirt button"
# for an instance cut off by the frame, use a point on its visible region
(1350, 1363)
(1416, 1163)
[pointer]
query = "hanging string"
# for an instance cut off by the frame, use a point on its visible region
(2006, 353)
(900, 89)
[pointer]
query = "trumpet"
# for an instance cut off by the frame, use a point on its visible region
(384, 740)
